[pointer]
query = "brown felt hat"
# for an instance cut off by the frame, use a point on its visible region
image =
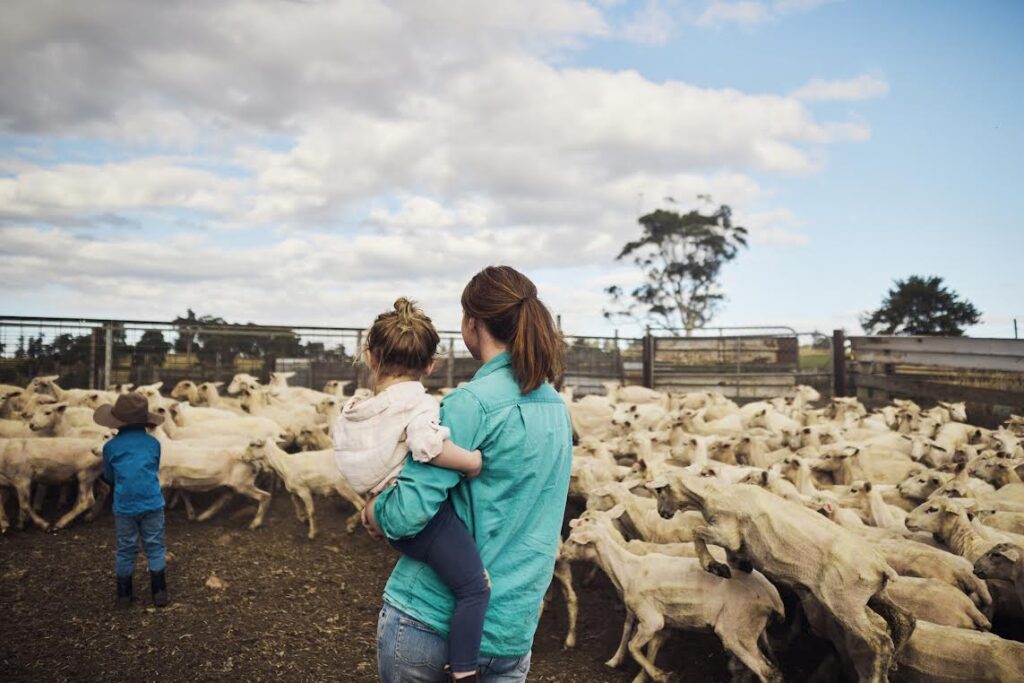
(129, 409)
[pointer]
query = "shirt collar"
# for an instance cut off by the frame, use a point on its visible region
(502, 360)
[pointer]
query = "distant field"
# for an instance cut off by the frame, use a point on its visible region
(814, 359)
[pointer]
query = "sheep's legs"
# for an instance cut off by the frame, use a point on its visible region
(85, 501)
(627, 628)
(99, 499)
(563, 573)
(709, 563)
(215, 507)
(307, 499)
(24, 491)
(650, 621)
(261, 497)
(852, 615)
(741, 641)
(300, 512)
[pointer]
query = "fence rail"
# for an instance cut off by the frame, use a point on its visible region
(988, 374)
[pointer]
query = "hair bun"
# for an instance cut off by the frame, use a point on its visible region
(405, 308)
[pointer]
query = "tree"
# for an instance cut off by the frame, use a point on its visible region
(681, 256)
(921, 306)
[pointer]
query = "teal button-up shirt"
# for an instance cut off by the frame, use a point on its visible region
(514, 509)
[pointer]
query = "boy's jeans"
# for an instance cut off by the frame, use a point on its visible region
(129, 528)
(409, 651)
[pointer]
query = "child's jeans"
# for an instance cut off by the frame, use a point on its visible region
(129, 528)
(445, 546)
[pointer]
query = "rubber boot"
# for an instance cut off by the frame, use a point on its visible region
(158, 584)
(124, 592)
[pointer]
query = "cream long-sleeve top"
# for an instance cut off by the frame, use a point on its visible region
(373, 435)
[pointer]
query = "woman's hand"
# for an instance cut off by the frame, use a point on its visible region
(369, 522)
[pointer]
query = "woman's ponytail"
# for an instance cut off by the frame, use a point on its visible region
(506, 302)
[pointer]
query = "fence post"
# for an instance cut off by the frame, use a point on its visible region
(450, 370)
(838, 363)
(618, 361)
(648, 359)
(92, 359)
(359, 359)
(108, 354)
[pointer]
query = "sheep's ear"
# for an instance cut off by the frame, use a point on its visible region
(829, 508)
(575, 523)
(1010, 552)
(617, 511)
(218, 384)
(657, 483)
(61, 407)
(764, 478)
(867, 486)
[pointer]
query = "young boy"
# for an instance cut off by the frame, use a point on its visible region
(130, 464)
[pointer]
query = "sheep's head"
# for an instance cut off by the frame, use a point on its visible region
(920, 486)
(46, 415)
(1000, 562)
(933, 515)
(183, 389)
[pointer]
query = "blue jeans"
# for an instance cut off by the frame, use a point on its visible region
(129, 528)
(409, 651)
(446, 546)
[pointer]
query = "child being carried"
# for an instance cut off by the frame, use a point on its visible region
(371, 439)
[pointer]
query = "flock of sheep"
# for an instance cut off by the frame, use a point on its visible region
(897, 535)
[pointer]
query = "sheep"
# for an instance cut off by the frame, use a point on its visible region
(949, 523)
(336, 387)
(192, 466)
(51, 461)
(1005, 562)
(937, 602)
(305, 474)
(279, 388)
(661, 591)
(57, 419)
(208, 392)
(943, 654)
(643, 514)
(242, 380)
(796, 547)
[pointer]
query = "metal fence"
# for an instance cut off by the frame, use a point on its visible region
(92, 353)
(743, 363)
(987, 374)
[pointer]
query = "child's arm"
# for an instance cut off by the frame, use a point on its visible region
(431, 443)
(454, 457)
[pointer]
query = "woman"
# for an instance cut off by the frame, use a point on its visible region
(513, 510)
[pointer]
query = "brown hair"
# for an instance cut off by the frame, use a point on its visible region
(403, 340)
(506, 302)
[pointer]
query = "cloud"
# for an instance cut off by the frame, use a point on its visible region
(752, 12)
(747, 12)
(651, 25)
(862, 87)
(353, 150)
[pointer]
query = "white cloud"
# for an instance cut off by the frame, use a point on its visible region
(357, 149)
(651, 25)
(862, 87)
(740, 12)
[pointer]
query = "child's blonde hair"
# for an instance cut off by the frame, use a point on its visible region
(402, 340)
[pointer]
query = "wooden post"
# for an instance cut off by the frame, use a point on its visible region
(450, 375)
(359, 360)
(839, 363)
(108, 355)
(92, 359)
(618, 360)
(648, 360)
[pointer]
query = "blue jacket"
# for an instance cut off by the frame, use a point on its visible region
(513, 509)
(131, 461)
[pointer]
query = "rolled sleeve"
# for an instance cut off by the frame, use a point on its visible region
(404, 509)
(425, 437)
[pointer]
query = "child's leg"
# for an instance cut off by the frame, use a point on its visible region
(446, 547)
(126, 530)
(151, 526)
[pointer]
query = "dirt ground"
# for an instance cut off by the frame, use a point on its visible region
(290, 609)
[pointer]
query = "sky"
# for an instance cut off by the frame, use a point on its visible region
(308, 162)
